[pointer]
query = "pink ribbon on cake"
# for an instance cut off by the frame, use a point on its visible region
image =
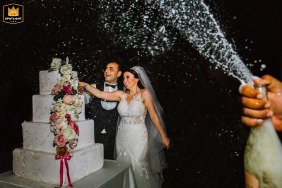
(63, 159)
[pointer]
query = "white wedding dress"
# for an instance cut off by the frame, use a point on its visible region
(132, 142)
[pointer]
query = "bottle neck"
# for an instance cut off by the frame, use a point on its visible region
(262, 89)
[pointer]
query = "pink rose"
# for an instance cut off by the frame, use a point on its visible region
(54, 117)
(60, 140)
(56, 89)
(68, 117)
(69, 152)
(73, 143)
(67, 89)
(68, 99)
(74, 126)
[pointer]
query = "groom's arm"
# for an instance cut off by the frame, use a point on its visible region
(88, 97)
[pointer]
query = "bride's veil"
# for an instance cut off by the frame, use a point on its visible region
(155, 148)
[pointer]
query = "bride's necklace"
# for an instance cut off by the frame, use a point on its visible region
(136, 94)
(132, 97)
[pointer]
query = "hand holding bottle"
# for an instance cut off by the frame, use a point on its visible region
(256, 109)
(263, 151)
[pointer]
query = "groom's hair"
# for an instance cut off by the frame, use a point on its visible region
(116, 62)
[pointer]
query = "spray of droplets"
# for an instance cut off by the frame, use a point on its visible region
(156, 25)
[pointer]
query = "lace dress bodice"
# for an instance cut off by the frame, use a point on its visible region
(132, 112)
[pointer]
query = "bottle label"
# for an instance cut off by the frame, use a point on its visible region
(251, 181)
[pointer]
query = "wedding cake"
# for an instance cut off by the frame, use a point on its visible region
(36, 160)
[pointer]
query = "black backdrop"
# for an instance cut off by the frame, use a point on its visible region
(201, 104)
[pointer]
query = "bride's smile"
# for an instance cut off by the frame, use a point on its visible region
(129, 80)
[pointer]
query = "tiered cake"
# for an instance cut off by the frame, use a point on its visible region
(36, 160)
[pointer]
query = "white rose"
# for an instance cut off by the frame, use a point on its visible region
(67, 78)
(61, 109)
(69, 133)
(62, 124)
(60, 81)
(56, 64)
(70, 109)
(61, 112)
(74, 83)
(78, 111)
(79, 101)
(74, 117)
(66, 69)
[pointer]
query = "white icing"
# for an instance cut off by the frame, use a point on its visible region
(41, 105)
(36, 160)
(47, 80)
(42, 166)
(37, 136)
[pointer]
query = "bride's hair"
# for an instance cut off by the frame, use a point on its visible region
(135, 74)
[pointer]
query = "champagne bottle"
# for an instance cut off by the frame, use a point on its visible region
(263, 155)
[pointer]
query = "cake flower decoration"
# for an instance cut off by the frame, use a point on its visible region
(65, 114)
(55, 64)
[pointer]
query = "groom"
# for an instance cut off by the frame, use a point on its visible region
(105, 113)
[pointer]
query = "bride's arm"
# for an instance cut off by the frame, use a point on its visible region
(110, 96)
(148, 101)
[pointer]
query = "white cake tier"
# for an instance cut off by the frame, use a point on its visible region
(37, 136)
(41, 106)
(42, 166)
(47, 80)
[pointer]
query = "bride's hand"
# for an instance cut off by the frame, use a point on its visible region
(166, 142)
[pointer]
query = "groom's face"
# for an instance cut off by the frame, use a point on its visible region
(112, 73)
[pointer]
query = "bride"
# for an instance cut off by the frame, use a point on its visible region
(141, 132)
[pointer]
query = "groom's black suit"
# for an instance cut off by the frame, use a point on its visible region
(103, 120)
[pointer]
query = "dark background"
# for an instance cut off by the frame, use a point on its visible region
(201, 104)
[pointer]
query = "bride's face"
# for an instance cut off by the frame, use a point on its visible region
(129, 80)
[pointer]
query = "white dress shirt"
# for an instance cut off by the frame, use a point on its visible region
(109, 105)
(105, 104)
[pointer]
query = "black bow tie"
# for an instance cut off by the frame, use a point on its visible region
(109, 85)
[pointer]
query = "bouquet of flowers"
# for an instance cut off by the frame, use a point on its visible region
(66, 109)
